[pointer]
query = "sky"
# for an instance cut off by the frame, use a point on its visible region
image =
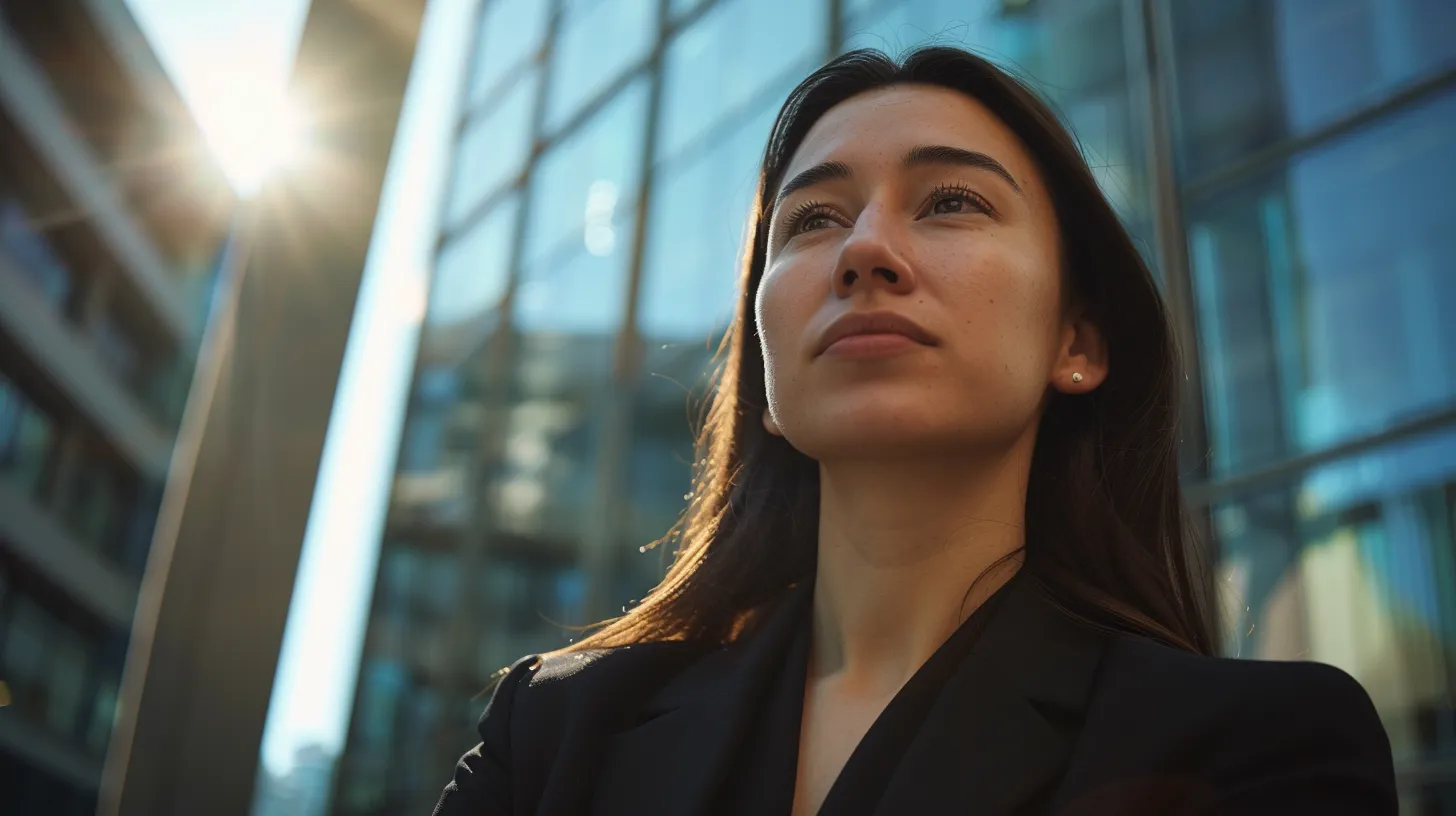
(230, 59)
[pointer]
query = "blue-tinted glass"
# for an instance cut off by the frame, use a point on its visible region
(492, 149)
(1252, 72)
(70, 662)
(679, 7)
(1352, 564)
(1324, 291)
(24, 660)
(589, 179)
(473, 269)
(510, 32)
(700, 210)
(35, 260)
(1072, 51)
(544, 486)
(598, 41)
(729, 57)
(26, 437)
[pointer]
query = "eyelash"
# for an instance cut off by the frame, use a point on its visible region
(809, 209)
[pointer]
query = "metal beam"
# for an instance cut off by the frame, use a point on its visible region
(210, 618)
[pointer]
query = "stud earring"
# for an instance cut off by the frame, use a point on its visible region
(1076, 376)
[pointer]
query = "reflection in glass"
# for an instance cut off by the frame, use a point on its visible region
(728, 56)
(598, 41)
(1327, 59)
(492, 147)
(588, 179)
(26, 437)
(1352, 564)
(1322, 319)
(699, 213)
(510, 33)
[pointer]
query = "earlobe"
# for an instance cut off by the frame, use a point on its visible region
(1084, 362)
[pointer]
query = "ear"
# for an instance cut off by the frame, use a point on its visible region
(769, 424)
(1083, 351)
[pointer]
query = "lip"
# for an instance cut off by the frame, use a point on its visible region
(856, 324)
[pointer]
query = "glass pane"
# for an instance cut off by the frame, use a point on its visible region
(700, 211)
(493, 149)
(1352, 564)
(32, 254)
(1253, 72)
(510, 33)
(472, 270)
(69, 663)
(728, 57)
(598, 41)
(588, 180)
(26, 437)
(25, 663)
(1324, 291)
(1072, 51)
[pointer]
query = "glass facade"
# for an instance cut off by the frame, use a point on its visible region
(605, 164)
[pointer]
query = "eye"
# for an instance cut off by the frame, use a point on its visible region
(953, 199)
(809, 216)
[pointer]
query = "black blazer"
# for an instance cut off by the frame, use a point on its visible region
(1048, 717)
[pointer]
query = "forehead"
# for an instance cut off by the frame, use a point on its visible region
(881, 125)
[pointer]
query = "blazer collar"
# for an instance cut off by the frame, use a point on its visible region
(999, 735)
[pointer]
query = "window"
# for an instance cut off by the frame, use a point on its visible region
(32, 254)
(1352, 564)
(578, 244)
(729, 57)
(598, 41)
(26, 438)
(492, 149)
(47, 666)
(1253, 72)
(1324, 291)
(700, 211)
(95, 508)
(473, 269)
(511, 31)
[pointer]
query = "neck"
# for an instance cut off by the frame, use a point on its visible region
(900, 546)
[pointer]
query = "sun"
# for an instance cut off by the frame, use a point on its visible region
(254, 132)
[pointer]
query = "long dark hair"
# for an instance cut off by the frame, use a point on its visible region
(1106, 534)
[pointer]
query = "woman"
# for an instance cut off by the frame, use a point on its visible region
(936, 562)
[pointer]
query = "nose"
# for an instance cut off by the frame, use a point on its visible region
(871, 258)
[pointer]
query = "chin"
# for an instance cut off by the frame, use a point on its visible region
(870, 430)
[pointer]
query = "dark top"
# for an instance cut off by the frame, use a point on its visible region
(765, 772)
(1039, 714)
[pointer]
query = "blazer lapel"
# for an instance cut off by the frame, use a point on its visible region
(677, 754)
(1003, 728)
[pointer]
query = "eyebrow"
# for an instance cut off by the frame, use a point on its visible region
(917, 157)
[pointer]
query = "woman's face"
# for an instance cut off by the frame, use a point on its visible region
(911, 301)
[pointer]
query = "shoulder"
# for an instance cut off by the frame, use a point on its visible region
(547, 694)
(1256, 732)
(1285, 690)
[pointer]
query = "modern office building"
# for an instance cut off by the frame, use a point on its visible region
(110, 224)
(1284, 163)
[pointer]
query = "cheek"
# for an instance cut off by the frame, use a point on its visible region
(783, 306)
(1005, 309)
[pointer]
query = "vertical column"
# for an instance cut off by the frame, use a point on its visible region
(220, 576)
